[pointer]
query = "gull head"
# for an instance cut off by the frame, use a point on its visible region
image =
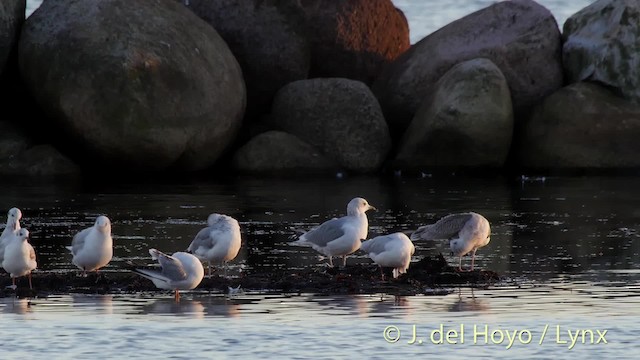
(358, 206)
(214, 218)
(13, 216)
(23, 234)
(103, 223)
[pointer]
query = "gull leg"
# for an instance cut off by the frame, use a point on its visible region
(226, 266)
(381, 273)
(98, 273)
(460, 264)
(344, 260)
(30, 286)
(209, 269)
(13, 280)
(177, 296)
(473, 258)
(331, 261)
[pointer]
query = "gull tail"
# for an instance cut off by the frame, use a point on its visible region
(297, 232)
(418, 234)
(159, 280)
(298, 238)
(70, 248)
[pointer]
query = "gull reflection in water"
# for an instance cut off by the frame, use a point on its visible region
(185, 307)
(466, 303)
(397, 304)
(17, 306)
(223, 306)
(351, 304)
(99, 303)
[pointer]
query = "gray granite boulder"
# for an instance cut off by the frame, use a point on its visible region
(12, 14)
(467, 121)
(279, 152)
(583, 125)
(268, 39)
(22, 156)
(521, 37)
(354, 39)
(602, 43)
(144, 85)
(41, 161)
(340, 117)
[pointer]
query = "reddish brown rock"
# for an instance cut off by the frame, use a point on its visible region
(354, 39)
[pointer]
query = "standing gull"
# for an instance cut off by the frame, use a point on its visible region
(219, 242)
(340, 237)
(20, 258)
(92, 248)
(393, 250)
(180, 271)
(467, 232)
(13, 225)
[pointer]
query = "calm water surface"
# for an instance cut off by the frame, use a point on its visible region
(568, 246)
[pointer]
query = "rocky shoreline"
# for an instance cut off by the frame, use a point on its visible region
(273, 87)
(431, 275)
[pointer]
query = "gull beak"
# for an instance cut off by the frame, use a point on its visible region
(372, 208)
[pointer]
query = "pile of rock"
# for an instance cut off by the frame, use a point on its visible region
(278, 86)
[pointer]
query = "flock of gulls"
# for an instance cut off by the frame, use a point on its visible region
(220, 241)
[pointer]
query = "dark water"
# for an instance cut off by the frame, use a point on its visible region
(569, 247)
(578, 227)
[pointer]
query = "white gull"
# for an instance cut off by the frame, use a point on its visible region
(13, 225)
(393, 250)
(92, 248)
(19, 256)
(180, 271)
(342, 236)
(219, 242)
(466, 232)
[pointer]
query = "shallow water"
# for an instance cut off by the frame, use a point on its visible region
(584, 228)
(568, 247)
(306, 326)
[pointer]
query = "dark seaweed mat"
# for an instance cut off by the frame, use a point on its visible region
(425, 276)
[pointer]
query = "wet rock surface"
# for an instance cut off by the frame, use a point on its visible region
(429, 275)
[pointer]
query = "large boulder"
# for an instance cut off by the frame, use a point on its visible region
(583, 125)
(354, 39)
(602, 43)
(22, 156)
(340, 117)
(266, 36)
(520, 36)
(13, 141)
(467, 121)
(278, 152)
(144, 85)
(41, 160)
(12, 14)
